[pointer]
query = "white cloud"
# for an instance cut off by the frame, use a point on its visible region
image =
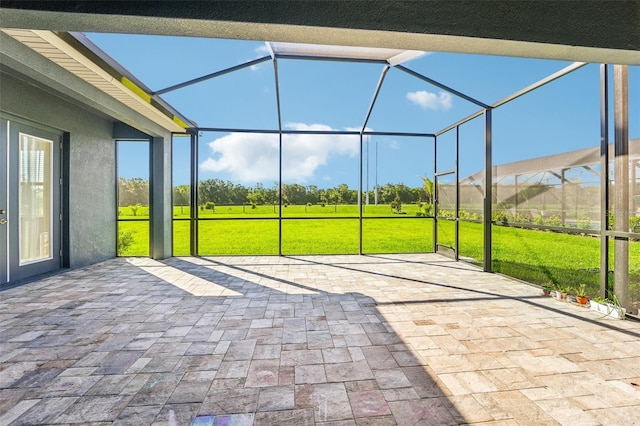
(251, 157)
(427, 100)
(261, 51)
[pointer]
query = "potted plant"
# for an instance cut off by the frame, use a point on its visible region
(562, 291)
(599, 304)
(555, 290)
(581, 294)
(546, 289)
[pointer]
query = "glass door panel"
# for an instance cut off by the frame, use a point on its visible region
(4, 202)
(30, 208)
(35, 191)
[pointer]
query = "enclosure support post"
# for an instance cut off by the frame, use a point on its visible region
(375, 185)
(621, 194)
(563, 197)
(604, 179)
(360, 200)
(488, 192)
(367, 185)
(193, 214)
(161, 221)
(435, 195)
(280, 194)
(515, 196)
(633, 179)
(277, 82)
(456, 244)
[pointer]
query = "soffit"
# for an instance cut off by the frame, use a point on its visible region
(123, 89)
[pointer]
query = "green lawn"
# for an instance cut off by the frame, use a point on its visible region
(542, 257)
(139, 231)
(221, 237)
(266, 211)
(308, 236)
(220, 212)
(534, 256)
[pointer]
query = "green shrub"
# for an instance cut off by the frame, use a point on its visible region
(584, 222)
(553, 221)
(500, 217)
(134, 208)
(125, 240)
(396, 205)
(464, 214)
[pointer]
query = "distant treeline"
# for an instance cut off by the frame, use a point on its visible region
(136, 191)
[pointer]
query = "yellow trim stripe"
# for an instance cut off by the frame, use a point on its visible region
(138, 91)
(135, 89)
(180, 122)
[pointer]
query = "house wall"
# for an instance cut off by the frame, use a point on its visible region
(92, 168)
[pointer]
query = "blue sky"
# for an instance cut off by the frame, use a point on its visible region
(559, 117)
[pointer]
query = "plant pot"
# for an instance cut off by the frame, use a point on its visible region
(546, 291)
(608, 310)
(582, 300)
(599, 307)
(617, 312)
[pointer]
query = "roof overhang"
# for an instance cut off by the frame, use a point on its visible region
(77, 55)
(589, 31)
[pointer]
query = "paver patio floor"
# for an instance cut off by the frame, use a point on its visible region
(340, 340)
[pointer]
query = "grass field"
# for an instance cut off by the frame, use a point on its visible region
(308, 236)
(226, 212)
(534, 256)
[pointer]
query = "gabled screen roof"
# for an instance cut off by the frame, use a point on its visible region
(390, 56)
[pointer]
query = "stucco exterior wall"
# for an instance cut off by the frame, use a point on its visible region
(92, 233)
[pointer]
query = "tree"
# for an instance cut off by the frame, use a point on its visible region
(428, 189)
(294, 193)
(346, 195)
(182, 196)
(404, 193)
(396, 205)
(333, 196)
(313, 194)
(133, 191)
(237, 193)
(387, 193)
(134, 208)
(219, 192)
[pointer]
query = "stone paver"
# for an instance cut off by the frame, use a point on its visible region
(341, 340)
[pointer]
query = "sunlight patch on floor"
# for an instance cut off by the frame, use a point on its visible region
(183, 280)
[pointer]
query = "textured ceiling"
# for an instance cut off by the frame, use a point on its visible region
(589, 31)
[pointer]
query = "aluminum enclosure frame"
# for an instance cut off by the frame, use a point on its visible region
(485, 112)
